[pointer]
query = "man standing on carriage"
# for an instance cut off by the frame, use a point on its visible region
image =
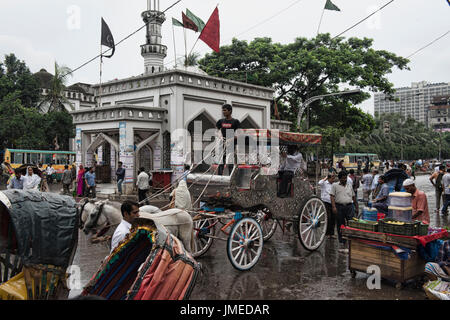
(292, 162)
(223, 125)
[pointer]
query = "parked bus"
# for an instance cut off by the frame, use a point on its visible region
(19, 157)
(351, 160)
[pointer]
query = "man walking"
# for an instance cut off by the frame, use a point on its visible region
(446, 183)
(120, 174)
(66, 180)
(89, 178)
(325, 189)
(344, 205)
(436, 181)
(142, 184)
(50, 171)
(367, 184)
(17, 181)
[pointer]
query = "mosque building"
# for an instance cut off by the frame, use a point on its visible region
(138, 116)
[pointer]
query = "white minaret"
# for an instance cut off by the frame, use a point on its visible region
(153, 51)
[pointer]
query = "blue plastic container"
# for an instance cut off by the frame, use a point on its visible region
(370, 214)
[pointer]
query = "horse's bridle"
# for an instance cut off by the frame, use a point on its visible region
(81, 214)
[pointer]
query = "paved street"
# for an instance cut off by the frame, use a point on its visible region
(285, 270)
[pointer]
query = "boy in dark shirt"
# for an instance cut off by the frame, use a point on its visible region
(120, 173)
(228, 123)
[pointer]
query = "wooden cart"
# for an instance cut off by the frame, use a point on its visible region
(362, 255)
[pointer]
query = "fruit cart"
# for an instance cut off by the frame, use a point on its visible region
(382, 245)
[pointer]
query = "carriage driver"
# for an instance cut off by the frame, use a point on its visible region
(130, 211)
(293, 161)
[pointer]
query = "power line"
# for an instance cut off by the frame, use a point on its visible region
(127, 37)
(257, 25)
(268, 19)
(361, 21)
(426, 46)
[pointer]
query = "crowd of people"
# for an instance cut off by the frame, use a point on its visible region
(339, 191)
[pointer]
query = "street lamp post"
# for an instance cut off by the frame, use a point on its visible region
(316, 98)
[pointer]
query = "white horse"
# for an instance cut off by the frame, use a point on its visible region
(177, 221)
(102, 215)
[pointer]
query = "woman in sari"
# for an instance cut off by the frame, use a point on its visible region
(80, 181)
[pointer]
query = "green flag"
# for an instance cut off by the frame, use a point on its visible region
(177, 23)
(331, 6)
(198, 22)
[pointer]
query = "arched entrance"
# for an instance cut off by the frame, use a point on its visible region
(145, 158)
(206, 122)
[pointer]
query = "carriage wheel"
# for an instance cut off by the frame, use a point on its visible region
(203, 229)
(267, 222)
(245, 244)
(312, 224)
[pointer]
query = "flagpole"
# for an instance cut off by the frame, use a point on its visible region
(174, 46)
(101, 63)
(185, 47)
(320, 23)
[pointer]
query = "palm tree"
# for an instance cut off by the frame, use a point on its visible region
(192, 59)
(55, 99)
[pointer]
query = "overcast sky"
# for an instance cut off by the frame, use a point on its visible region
(42, 31)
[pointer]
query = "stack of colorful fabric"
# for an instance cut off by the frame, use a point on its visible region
(120, 269)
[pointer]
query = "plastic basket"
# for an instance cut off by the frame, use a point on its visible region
(407, 229)
(364, 225)
(423, 230)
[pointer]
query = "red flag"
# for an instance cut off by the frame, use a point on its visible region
(211, 33)
(188, 23)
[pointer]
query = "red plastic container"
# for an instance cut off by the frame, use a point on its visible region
(380, 216)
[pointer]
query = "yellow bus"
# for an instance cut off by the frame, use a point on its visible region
(19, 157)
(351, 160)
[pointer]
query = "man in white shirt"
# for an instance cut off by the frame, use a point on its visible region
(142, 184)
(31, 180)
(50, 171)
(325, 189)
(446, 183)
(366, 181)
(374, 185)
(287, 170)
(130, 211)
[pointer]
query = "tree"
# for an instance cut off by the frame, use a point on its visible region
(308, 68)
(22, 125)
(192, 59)
(55, 99)
(17, 79)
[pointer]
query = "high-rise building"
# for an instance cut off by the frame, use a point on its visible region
(439, 116)
(412, 101)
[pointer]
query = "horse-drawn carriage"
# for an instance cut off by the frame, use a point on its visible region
(247, 199)
(38, 241)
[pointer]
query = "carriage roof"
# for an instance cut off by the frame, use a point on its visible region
(45, 226)
(285, 138)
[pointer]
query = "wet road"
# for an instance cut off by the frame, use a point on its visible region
(285, 270)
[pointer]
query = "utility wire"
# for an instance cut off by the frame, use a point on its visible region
(361, 21)
(127, 37)
(435, 40)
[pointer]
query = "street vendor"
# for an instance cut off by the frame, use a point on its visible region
(419, 202)
(381, 201)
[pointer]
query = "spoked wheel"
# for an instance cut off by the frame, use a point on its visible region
(245, 244)
(312, 224)
(267, 222)
(203, 229)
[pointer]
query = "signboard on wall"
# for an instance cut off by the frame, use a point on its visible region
(157, 158)
(122, 136)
